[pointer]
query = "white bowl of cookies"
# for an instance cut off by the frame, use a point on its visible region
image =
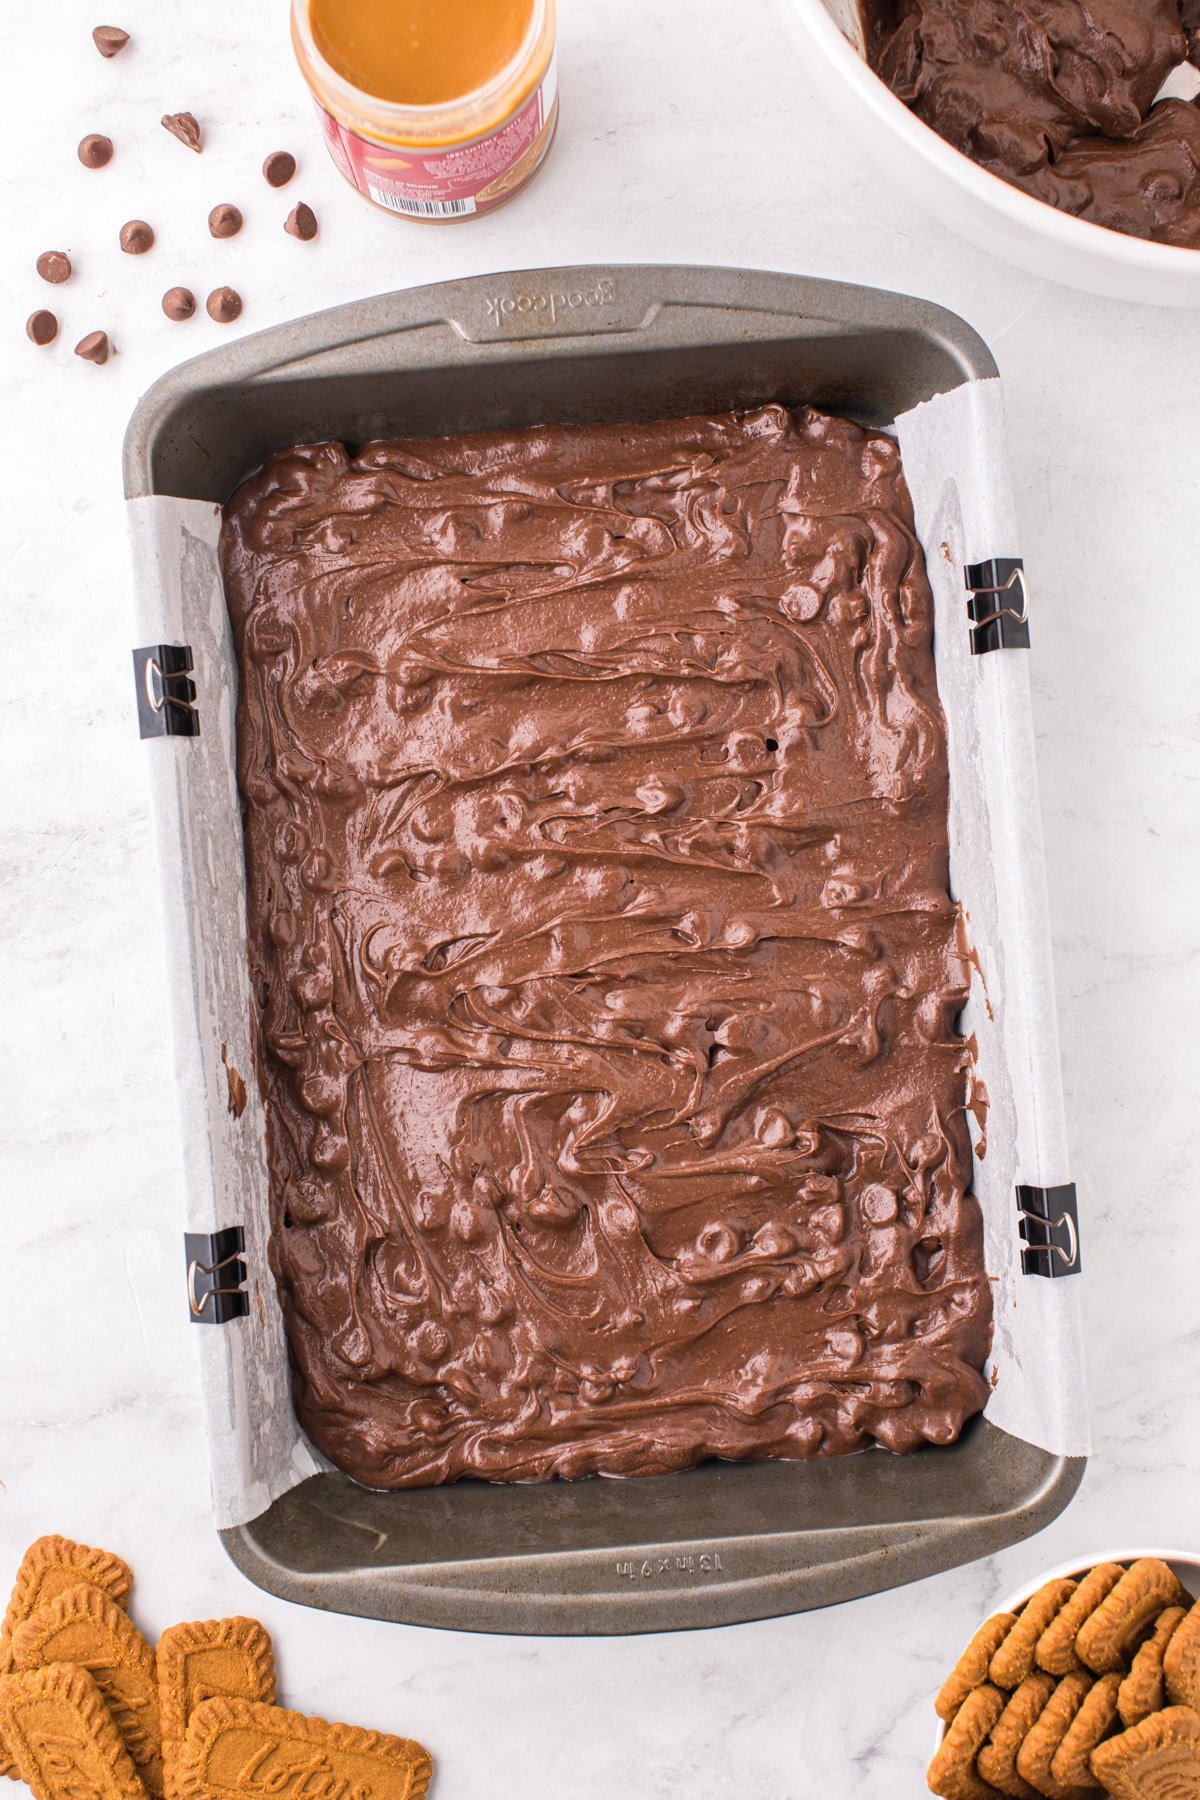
(1085, 1682)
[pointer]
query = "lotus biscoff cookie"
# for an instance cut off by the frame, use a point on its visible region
(1144, 1689)
(952, 1773)
(63, 1738)
(83, 1626)
(1146, 1589)
(1158, 1760)
(1070, 1765)
(1013, 1661)
(997, 1761)
(240, 1749)
(971, 1669)
(1181, 1661)
(1040, 1747)
(204, 1659)
(1056, 1646)
(50, 1565)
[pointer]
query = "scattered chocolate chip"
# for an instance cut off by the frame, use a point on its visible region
(109, 39)
(41, 327)
(94, 347)
(301, 222)
(184, 126)
(224, 221)
(279, 167)
(179, 303)
(224, 304)
(95, 151)
(137, 237)
(54, 265)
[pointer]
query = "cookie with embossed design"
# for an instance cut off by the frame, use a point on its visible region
(1037, 1753)
(1181, 1661)
(243, 1750)
(82, 1626)
(952, 1773)
(971, 1669)
(1070, 1765)
(200, 1660)
(997, 1761)
(63, 1738)
(1056, 1647)
(1144, 1690)
(1013, 1661)
(1156, 1760)
(50, 1565)
(1146, 1589)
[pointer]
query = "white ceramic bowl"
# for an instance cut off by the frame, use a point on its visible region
(978, 205)
(1185, 1563)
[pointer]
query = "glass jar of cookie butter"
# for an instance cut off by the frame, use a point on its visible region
(434, 109)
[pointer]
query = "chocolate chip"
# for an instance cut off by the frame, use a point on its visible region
(224, 221)
(54, 265)
(137, 237)
(94, 347)
(224, 304)
(41, 327)
(95, 151)
(301, 222)
(179, 303)
(109, 39)
(184, 126)
(279, 167)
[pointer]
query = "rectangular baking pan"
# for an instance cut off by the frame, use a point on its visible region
(721, 1543)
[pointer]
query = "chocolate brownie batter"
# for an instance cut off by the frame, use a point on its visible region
(1058, 97)
(595, 792)
(1111, 183)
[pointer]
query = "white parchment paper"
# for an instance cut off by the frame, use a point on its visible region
(955, 459)
(257, 1450)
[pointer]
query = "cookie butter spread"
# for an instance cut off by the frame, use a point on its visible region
(1058, 97)
(595, 792)
(419, 52)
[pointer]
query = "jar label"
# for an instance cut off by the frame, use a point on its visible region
(449, 183)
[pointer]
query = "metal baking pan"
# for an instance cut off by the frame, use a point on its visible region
(721, 1543)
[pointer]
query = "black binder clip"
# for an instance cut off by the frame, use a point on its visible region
(999, 605)
(166, 693)
(1048, 1221)
(215, 1274)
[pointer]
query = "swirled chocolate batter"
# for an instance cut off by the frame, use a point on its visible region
(595, 792)
(1060, 97)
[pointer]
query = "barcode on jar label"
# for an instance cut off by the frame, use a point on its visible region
(422, 209)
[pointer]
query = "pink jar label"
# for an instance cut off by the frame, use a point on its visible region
(450, 183)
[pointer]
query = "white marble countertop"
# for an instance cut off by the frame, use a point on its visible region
(688, 134)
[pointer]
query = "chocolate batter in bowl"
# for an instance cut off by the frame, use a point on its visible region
(1087, 106)
(595, 788)
(1059, 97)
